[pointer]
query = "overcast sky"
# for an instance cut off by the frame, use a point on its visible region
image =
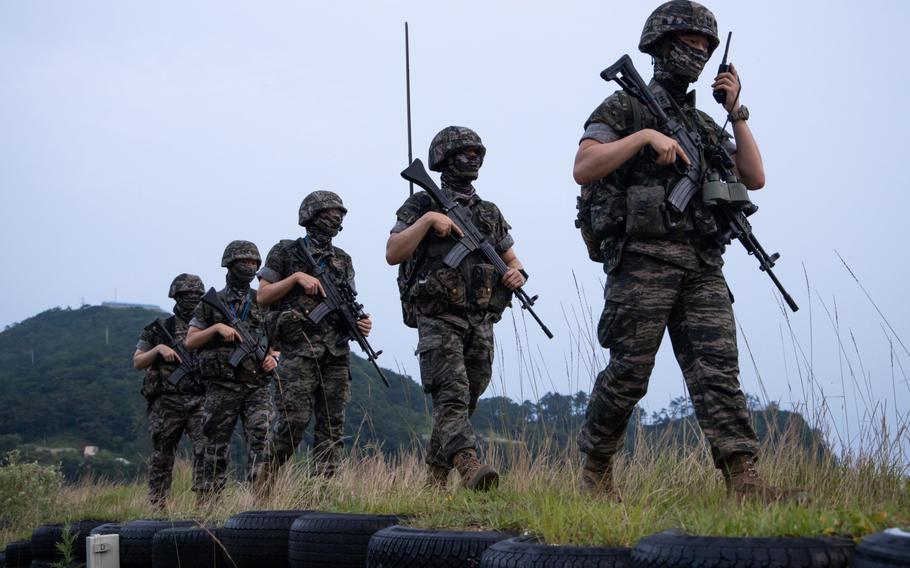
(138, 138)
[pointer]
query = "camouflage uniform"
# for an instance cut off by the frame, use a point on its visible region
(314, 372)
(172, 411)
(232, 393)
(455, 311)
(664, 272)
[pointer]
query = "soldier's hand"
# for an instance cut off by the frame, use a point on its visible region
(168, 354)
(269, 364)
(442, 225)
(365, 325)
(729, 82)
(228, 333)
(667, 149)
(513, 279)
(310, 284)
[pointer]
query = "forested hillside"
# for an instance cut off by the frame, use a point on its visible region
(66, 381)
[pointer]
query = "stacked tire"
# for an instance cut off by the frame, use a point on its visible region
(195, 546)
(888, 549)
(402, 547)
(330, 540)
(45, 539)
(532, 552)
(259, 539)
(675, 549)
(18, 554)
(137, 541)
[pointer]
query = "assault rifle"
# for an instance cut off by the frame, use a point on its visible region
(472, 240)
(187, 360)
(733, 215)
(249, 347)
(340, 298)
(625, 74)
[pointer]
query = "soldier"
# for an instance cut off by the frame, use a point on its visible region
(314, 377)
(453, 309)
(172, 409)
(664, 268)
(232, 393)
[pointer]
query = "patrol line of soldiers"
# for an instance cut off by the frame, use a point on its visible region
(664, 272)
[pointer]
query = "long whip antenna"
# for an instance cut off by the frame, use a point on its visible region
(407, 75)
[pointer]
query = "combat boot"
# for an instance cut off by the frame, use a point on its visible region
(743, 481)
(437, 477)
(474, 475)
(597, 479)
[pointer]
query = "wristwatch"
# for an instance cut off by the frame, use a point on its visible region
(742, 113)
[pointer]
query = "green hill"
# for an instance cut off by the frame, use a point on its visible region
(66, 381)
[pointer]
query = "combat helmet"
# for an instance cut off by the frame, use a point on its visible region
(238, 250)
(319, 201)
(450, 140)
(186, 283)
(678, 16)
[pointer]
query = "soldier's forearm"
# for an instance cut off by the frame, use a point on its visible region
(144, 359)
(594, 160)
(197, 338)
(401, 246)
(271, 292)
(749, 166)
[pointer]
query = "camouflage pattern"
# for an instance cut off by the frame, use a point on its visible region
(678, 16)
(213, 358)
(186, 283)
(318, 201)
(450, 140)
(290, 325)
(224, 405)
(236, 250)
(310, 387)
(171, 416)
(456, 365)
(174, 410)
(475, 285)
(645, 296)
(685, 239)
(232, 394)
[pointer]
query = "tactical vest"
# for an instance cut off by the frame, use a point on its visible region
(214, 358)
(155, 382)
(631, 201)
(288, 321)
(473, 287)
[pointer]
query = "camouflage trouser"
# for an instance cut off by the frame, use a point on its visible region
(170, 416)
(456, 364)
(307, 388)
(223, 406)
(644, 296)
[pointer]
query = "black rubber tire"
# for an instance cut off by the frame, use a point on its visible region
(402, 547)
(106, 528)
(673, 549)
(46, 537)
(137, 537)
(19, 554)
(334, 539)
(259, 539)
(44, 541)
(881, 550)
(196, 546)
(532, 552)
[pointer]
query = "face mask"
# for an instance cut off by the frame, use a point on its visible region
(323, 227)
(240, 275)
(466, 165)
(681, 63)
(185, 304)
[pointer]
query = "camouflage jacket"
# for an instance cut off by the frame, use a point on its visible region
(214, 356)
(474, 286)
(288, 319)
(156, 382)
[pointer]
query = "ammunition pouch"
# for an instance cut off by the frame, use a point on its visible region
(646, 211)
(601, 213)
(214, 365)
(290, 326)
(483, 278)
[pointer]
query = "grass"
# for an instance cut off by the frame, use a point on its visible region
(662, 486)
